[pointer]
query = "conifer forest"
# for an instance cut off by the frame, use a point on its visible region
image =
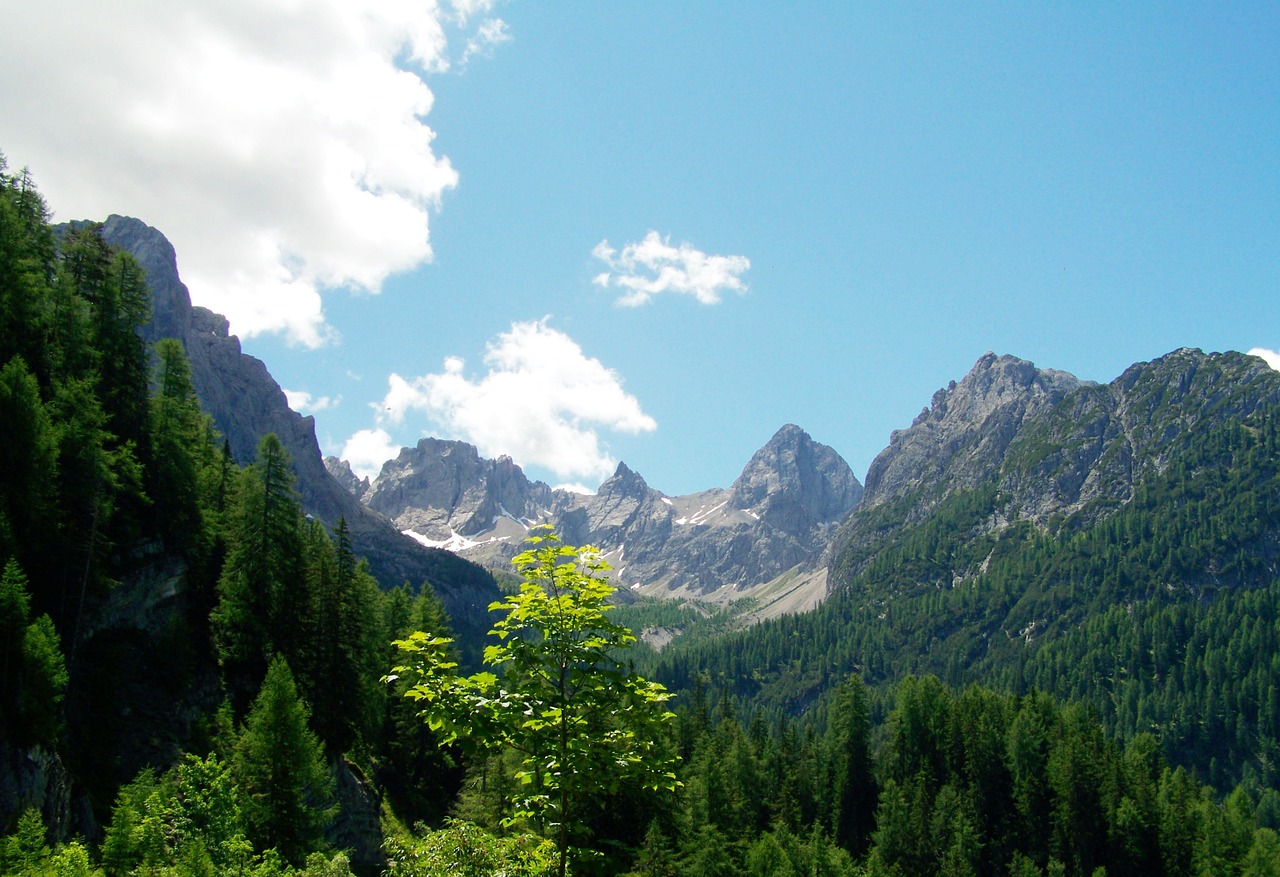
(201, 679)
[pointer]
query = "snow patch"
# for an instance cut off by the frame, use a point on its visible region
(704, 513)
(455, 543)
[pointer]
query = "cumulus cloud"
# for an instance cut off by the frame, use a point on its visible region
(304, 403)
(1271, 356)
(642, 270)
(280, 146)
(367, 450)
(542, 401)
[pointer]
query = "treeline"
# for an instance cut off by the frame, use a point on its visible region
(164, 608)
(969, 783)
(1161, 613)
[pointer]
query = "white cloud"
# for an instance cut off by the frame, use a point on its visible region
(1271, 356)
(367, 450)
(304, 403)
(543, 402)
(653, 266)
(281, 146)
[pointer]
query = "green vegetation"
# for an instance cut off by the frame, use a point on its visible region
(199, 663)
(581, 725)
(1160, 613)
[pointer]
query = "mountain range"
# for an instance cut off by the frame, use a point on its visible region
(1114, 545)
(795, 526)
(765, 536)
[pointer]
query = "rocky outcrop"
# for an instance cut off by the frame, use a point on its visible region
(246, 403)
(36, 778)
(963, 435)
(442, 489)
(775, 521)
(1050, 445)
(346, 478)
(358, 826)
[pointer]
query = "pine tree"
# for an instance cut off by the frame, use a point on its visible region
(262, 606)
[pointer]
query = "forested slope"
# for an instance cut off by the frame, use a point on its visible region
(1124, 555)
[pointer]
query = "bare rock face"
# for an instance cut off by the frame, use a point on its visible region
(36, 777)
(795, 484)
(442, 489)
(1101, 441)
(962, 436)
(349, 481)
(775, 520)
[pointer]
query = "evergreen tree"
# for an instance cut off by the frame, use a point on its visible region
(28, 471)
(280, 768)
(851, 787)
(346, 651)
(262, 602)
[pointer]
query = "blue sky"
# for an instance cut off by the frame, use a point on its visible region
(812, 213)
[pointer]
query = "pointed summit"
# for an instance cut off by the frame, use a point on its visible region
(625, 482)
(794, 482)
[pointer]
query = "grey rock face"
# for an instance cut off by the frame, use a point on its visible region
(1102, 440)
(796, 484)
(442, 489)
(775, 519)
(341, 472)
(964, 433)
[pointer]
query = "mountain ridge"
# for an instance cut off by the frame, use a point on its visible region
(717, 544)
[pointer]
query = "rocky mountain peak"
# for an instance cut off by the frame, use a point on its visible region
(343, 474)
(246, 403)
(795, 482)
(625, 481)
(1046, 445)
(967, 427)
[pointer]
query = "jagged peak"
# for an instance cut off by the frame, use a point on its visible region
(624, 480)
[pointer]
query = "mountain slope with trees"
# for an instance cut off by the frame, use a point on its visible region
(1116, 545)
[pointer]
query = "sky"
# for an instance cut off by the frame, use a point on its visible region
(579, 233)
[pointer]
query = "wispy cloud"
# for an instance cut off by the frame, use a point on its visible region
(492, 32)
(304, 403)
(542, 401)
(652, 266)
(282, 147)
(1271, 356)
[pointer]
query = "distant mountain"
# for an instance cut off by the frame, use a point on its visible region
(765, 536)
(246, 403)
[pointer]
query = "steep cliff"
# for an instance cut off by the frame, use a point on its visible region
(246, 403)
